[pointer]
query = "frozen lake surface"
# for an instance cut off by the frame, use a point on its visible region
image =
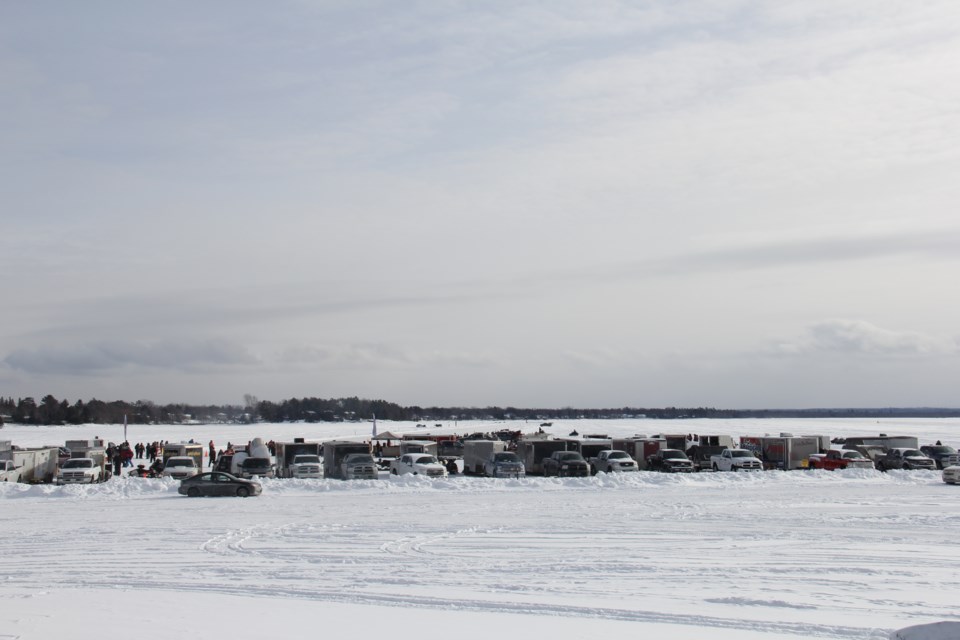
(850, 554)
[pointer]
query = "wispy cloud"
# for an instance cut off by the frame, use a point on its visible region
(859, 338)
(109, 357)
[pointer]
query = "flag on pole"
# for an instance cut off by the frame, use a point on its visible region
(124, 427)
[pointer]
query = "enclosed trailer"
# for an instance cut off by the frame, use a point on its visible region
(883, 440)
(784, 451)
(705, 446)
(418, 446)
(192, 449)
(287, 451)
(34, 465)
(477, 452)
(640, 448)
(532, 451)
(335, 451)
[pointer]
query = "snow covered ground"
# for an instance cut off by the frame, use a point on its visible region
(850, 554)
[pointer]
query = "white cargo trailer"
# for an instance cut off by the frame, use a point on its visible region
(477, 452)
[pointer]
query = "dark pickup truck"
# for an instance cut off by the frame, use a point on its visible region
(566, 463)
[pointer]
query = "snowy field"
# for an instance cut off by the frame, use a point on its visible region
(849, 554)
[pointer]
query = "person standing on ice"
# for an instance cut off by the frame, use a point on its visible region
(213, 453)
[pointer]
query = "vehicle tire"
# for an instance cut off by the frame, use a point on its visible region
(193, 492)
(414, 473)
(734, 468)
(394, 472)
(242, 492)
(715, 467)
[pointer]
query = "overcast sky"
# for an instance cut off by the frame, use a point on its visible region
(594, 204)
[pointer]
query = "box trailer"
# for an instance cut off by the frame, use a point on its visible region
(335, 451)
(883, 440)
(477, 452)
(418, 446)
(640, 448)
(192, 449)
(34, 465)
(532, 451)
(287, 451)
(784, 451)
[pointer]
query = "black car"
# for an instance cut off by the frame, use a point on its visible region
(218, 483)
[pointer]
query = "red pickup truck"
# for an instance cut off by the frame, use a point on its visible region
(841, 459)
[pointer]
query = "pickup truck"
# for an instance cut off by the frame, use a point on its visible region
(305, 465)
(9, 472)
(840, 459)
(735, 460)
(613, 460)
(565, 463)
(80, 471)
(902, 458)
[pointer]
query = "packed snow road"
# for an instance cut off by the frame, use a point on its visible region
(850, 554)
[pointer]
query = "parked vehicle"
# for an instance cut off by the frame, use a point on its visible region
(532, 452)
(476, 454)
(180, 449)
(951, 475)
(336, 451)
(180, 467)
(9, 471)
(359, 466)
(840, 459)
(80, 471)
(901, 458)
(287, 455)
(218, 483)
(943, 455)
(670, 461)
(785, 451)
(566, 463)
(305, 465)
(256, 467)
(613, 461)
(735, 460)
(504, 464)
(704, 446)
(418, 464)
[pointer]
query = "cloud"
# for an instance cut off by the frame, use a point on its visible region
(378, 356)
(857, 337)
(102, 358)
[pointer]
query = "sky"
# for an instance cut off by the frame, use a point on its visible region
(733, 204)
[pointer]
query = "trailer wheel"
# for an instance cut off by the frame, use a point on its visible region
(193, 492)
(242, 492)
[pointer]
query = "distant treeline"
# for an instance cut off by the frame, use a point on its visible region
(50, 411)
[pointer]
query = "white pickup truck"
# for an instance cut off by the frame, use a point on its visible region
(80, 471)
(735, 460)
(9, 472)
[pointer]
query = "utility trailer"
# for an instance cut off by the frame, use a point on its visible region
(191, 449)
(33, 465)
(477, 452)
(784, 452)
(335, 451)
(705, 446)
(640, 448)
(532, 451)
(287, 451)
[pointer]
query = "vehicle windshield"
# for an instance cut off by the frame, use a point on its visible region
(741, 454)
(181, 462)
(256, 463)
(360, 458)
(674, 454)
(913, 453)
(426, 460)
(78, 464)
(506, 457)
(942, 450)
(306, 460)
(618, 455)
(852, 455)
(570, 455)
